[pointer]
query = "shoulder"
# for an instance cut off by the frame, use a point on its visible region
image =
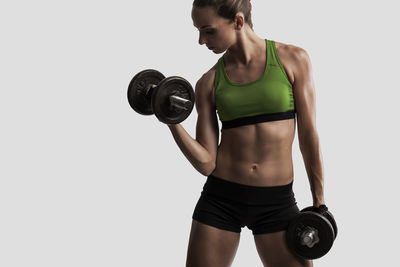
(294, 57)
(291, 51)
(205, 85)
(208, 77)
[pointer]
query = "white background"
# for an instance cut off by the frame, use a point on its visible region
(86, 181)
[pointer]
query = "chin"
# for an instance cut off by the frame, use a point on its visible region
(217, 51)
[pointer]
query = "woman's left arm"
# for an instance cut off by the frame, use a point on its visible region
(304, 95)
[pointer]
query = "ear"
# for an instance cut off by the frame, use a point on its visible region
(239, 21)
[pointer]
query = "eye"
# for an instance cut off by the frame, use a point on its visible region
(210, 32)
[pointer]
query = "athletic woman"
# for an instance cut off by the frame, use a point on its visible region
(258, 88)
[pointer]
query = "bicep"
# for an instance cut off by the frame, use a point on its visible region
(207, 132)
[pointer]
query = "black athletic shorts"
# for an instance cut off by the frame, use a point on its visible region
(231, 206)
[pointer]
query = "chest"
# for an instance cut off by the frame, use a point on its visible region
(272, 93)
(246, 74)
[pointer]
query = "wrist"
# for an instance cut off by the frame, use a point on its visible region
(318, 203)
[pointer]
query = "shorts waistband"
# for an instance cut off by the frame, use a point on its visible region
(248, 194)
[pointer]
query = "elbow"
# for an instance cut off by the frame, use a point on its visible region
(305, 147)
(206, 168)
(310, 149)
(209, 170)
(308, 142)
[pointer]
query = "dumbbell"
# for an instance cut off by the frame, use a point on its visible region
(171, 100)
(311, 233)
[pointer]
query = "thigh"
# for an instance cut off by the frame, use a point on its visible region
(210, 246)
(274, 252)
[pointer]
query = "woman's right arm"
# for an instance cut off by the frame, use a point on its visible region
(202, 151)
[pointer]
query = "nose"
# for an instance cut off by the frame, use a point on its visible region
(201, 39)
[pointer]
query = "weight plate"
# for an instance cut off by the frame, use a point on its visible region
(299, 224)
(328, 215)
(331, 219)
(140, 84)
(161, 102)
(310, 208)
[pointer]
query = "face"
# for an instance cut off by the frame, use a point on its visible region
(216, 32)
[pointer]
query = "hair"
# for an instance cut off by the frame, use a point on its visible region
(228, 8)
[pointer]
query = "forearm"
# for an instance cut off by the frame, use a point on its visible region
(197, 155)
(313, 163)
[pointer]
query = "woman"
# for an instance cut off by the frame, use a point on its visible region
(256, 88)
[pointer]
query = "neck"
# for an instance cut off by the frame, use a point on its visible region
(247, 47)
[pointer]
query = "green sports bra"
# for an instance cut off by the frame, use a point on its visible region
(269, 98)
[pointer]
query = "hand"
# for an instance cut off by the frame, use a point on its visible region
(321, 209)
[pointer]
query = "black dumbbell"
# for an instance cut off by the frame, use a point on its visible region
(311, 233)
(171, 100)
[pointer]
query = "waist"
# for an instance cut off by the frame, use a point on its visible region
(248, 194)
(274, 169)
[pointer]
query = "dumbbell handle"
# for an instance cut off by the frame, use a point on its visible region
(180, 102)
(309, 238)
(175, 100)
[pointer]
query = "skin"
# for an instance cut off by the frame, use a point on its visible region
(258, 154)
